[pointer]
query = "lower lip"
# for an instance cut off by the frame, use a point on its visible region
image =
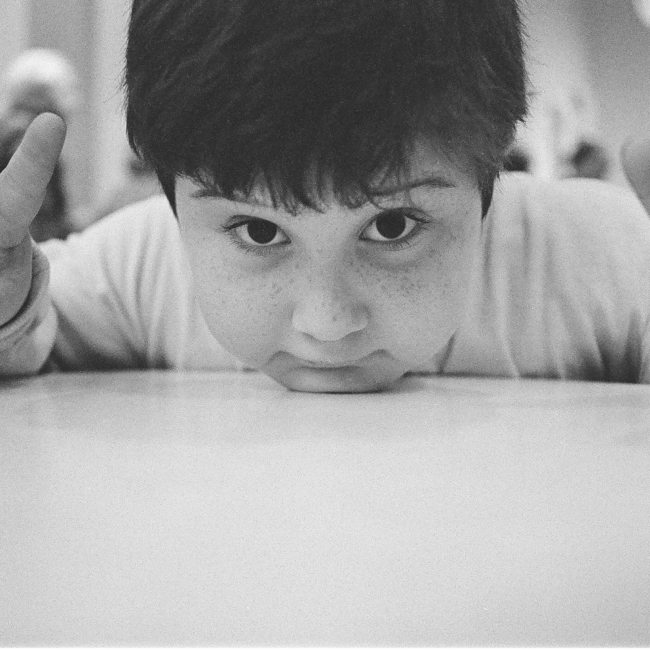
(332, 379)
(357, 363)
(316, 366)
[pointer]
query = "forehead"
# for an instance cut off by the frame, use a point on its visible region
(427, 167)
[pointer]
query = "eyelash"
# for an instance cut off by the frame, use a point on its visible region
(258, 250)
(404, 242)
(396, 245)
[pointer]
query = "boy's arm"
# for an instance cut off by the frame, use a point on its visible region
(27, 321)
(103, 282)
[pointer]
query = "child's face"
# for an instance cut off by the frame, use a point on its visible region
(341, 300)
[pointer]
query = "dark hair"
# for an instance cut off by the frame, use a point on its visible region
(307, 94)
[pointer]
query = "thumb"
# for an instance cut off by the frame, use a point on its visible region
(635, 156)
(24, 181)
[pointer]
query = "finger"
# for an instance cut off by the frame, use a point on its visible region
(24, 180)
(636, 163)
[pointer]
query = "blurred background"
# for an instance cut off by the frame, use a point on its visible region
(589, 64)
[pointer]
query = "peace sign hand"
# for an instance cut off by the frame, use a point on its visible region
(22, 188)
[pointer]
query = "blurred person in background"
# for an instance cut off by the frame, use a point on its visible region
(590, 160)
(561, 138)
(38, 81)
(517, 159)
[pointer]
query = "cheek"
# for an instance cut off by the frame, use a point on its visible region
(242, 312)
(420, 307)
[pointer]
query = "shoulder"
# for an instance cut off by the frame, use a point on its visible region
(577, 222)
(129, 248)
(142, 240)
(132, 231)
(593, 206)
(565, 274)
(153, 216)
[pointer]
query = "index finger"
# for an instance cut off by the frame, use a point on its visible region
(24, 181)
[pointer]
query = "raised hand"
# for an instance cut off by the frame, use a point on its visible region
(22, 189)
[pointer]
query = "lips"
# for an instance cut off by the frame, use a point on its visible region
(337, 373)
(292, 361)
(333, 363)
(328, 365)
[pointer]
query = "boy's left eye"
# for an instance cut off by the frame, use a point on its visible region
(390, 226)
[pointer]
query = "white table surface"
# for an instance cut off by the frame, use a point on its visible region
(220, 509)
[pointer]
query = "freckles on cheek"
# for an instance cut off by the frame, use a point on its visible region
(411, 286)
(275, 292)
(429, 278)
(427, 297)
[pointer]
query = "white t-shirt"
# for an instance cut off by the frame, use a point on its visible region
(561, 290)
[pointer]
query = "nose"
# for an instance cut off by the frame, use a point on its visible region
(327, 310)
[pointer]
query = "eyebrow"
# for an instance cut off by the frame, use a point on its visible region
(438, 182)
(434, 181)
(208, 193)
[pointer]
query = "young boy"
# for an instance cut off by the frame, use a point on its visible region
(334, 213)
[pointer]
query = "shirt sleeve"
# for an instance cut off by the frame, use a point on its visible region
(102, 282)
(27, 340)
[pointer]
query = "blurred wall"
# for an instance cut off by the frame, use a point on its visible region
(557, 43)
(14, 30)
(558, 68)
(68, 27)
(110, 143)
(619, 62)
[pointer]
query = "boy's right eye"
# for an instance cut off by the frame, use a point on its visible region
(254, 232)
